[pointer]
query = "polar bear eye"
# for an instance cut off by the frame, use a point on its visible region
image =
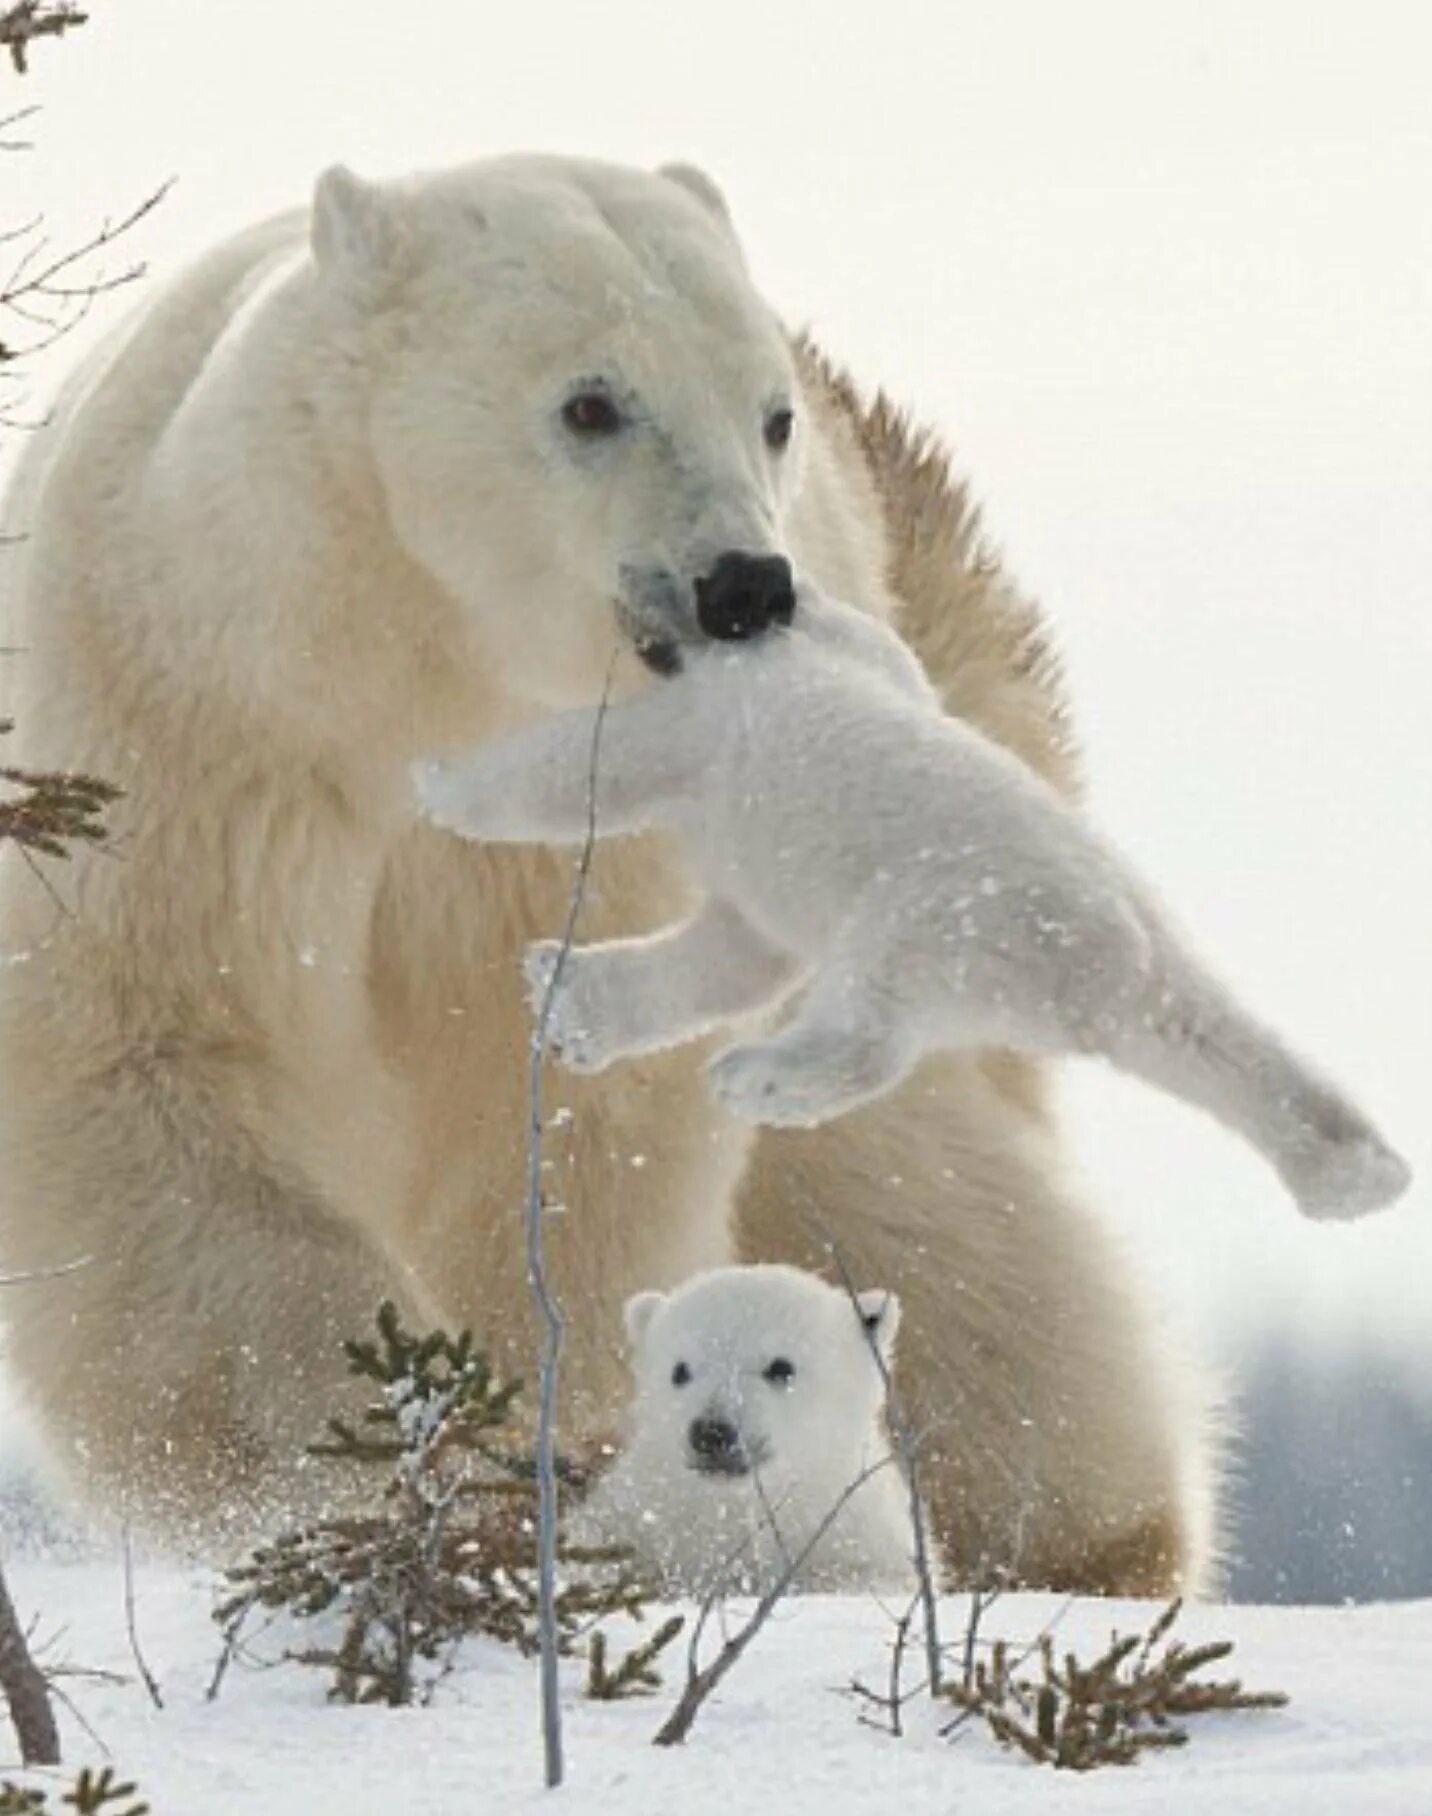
(779, 425)
(780, 1372)
(680, 1375)
(591, 414)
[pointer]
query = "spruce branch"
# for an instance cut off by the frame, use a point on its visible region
(1110, 1712)
(25, 20)
(53, 810)
(447, 1547)
(635, 1673)
(92, 1794)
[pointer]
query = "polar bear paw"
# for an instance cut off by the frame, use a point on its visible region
(759, 1083)
(1348, 1179)
(571, 1019)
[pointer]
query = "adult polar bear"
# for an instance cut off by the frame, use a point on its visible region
(376, 484)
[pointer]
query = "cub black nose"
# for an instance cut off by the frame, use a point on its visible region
(744, 595)
(714, 1439)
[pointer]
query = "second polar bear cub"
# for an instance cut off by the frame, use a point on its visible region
(758, 1438)
(928, 890)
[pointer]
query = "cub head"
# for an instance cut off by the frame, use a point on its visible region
(584, 421)
(762, 1370)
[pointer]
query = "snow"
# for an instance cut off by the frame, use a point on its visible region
(780, 1735)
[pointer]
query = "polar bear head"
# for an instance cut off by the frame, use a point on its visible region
(584, 420)
(763, 1371)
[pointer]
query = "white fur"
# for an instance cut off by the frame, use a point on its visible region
(306, 515)
(922, 885)
(803, 1442)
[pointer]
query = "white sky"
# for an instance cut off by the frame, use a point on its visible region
(1164, 273)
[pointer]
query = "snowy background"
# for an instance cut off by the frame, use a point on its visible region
(1163, 273)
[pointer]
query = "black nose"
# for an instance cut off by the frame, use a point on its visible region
(744, 595)
(714, 1439)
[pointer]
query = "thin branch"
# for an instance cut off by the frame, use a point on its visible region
(550, 1312)
(904, 1436)
(147, 1676)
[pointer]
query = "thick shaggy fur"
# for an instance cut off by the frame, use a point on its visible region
(757, 1443)
(301, 521)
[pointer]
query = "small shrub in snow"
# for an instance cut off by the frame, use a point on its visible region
(1106, 1713)
(449, 1548)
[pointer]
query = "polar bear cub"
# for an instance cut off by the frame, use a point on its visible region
(926, 888)
(758, 1439)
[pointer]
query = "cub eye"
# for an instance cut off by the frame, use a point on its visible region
(680, 1375)
(592, 415)
(780, 1372)
(779, 425)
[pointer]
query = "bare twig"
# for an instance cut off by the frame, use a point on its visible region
(131, 1625)
(905, 1437)
(549, 1310)
(26, 1690)
(891, 1701)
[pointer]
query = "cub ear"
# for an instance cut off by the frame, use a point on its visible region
(356, 235)
(640, 1309)
(880, 1315)
(696, 183)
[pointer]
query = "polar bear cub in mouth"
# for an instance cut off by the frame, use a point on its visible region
(758, 1438)
(926, 889)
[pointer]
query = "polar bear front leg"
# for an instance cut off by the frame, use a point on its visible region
(846, 1044)
(624, 997)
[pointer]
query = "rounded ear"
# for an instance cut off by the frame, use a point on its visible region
(356, 235)
(880, 1315)
(640, 1309)
(696, 183)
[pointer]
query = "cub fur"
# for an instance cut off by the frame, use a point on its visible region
(923, 889)
(758, 1442)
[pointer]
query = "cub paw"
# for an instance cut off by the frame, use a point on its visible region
(1349, 1179)
(760, 1084)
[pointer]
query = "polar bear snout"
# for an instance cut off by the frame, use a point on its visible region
(717, 1447)
(744, 595)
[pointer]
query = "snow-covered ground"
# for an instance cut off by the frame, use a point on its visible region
(779, 1736)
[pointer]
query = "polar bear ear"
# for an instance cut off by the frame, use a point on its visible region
(357, 239)
(696, 183)
(641, 1308)
(880, 1314)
